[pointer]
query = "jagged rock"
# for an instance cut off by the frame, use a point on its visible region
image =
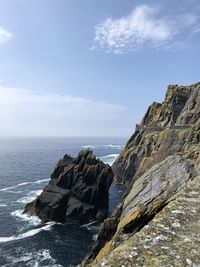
(78, 190)
(158, 162)
(166, 129)
(171, 239)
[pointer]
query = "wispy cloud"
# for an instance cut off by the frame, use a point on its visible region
(26, 112)
(144, 27)
(4, 35)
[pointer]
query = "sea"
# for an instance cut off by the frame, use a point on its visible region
(25, 168)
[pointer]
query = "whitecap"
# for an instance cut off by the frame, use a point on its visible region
(24, 217)
(94, 237)
(113, 146)
(3, 205)
(89, 146)
(33, 259)
(110, 156)
(89, 224)
(109, 159)
(29, 233)
(30, 196)
(23, 184)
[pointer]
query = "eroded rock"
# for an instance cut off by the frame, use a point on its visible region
(166, 129)
(77, 190)
(158, 162)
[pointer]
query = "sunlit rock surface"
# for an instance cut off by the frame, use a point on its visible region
(160, 160)
(172, 238)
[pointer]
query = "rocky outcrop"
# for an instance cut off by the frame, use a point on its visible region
(166, 129)
(78, 190)
(172, 238)
(159, 162)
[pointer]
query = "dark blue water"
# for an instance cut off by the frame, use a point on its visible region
(25, 168)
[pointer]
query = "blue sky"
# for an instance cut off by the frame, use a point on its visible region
(91, 68)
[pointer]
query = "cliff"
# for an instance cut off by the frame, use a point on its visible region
(166, 129)
(158, 218)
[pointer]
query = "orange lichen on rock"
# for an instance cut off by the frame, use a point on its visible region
(104, 251)
(129, 218)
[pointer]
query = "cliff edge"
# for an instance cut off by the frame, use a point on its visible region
(157, 221)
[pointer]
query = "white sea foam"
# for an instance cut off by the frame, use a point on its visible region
(113, 146)
(3, 205)
(30, 196)
(109, 159)
(29, 233)
(110, 156)
(24, 217)
(105, 146)
(92, 226)
(23, 184)
(89, 146)
(88, 224)
(94, 237)
(34, 259)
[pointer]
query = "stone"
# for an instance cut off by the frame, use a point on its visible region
(167, 128)
(78, 190)
(161, 166)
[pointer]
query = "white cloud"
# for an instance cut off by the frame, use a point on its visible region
(196, 29)
(144, 27)
(30, 113)
(4, 35)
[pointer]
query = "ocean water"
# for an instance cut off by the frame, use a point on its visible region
(25, 168)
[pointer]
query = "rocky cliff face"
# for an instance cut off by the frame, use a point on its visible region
(166, 129)
(78, 190)
(160, 163)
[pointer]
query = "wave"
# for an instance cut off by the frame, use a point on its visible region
(110, 156)
(30, 197)
(33, 259)
(26, 234)
(23, 184)
(90, 146)
(89, 224)
(24, 217)
(109, 159)
(113, 146)
(92, 226)
(3, 205)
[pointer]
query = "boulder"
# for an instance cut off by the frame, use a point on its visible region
(78, 190)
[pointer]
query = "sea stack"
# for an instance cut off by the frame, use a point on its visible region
(78, 190)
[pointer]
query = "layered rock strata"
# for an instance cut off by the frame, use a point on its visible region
(160, 163)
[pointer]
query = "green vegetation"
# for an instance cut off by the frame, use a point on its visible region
(144, 184)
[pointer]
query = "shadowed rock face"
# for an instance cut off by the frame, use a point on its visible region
(78, 190)
(158, 162)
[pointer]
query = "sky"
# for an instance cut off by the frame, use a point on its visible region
(91, 68)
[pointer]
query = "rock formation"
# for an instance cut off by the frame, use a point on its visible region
(78, 190)
(166, 129)
(161, 165)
